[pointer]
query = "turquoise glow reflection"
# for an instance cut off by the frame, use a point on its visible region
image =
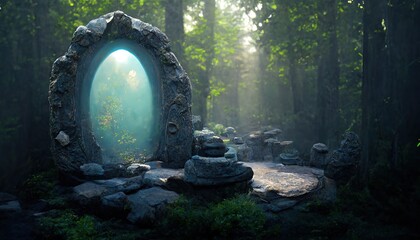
(121, 108)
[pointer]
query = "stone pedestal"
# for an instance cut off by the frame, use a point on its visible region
(319, 152)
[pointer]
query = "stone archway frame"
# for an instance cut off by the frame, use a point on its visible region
(73, 143)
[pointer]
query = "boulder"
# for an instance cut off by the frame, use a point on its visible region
(230, 132)
(199, 138)
(274, 133)
(159, 176)
(290, 158)
(125, 185)
(148, 205)
(10, 207)
(203, 171)
(273, 180)
(268, 148)
(197, 123)
(212, 147)
(342, 163)
(89, 193)
(137, 169)
(231, 154)
(92, 170)
(63, 138)
(9, 203)
(114, 204)
(286, 144)
(206, 193)
(154, 164)
(203, 134)
(113, 171)
(237, 140)
(318, 158)
(339, 169)
(6, 197)
(244, 153)
(255, 141)
(264, 145)
(351, 146)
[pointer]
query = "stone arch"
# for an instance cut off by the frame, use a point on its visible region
(73, 143)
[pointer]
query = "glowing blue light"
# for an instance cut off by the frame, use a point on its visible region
(121, 108)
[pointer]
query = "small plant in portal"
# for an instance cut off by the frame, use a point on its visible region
(418, 144)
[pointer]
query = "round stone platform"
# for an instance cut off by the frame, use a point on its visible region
(284, 181)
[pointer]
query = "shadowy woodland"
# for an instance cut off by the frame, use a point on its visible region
(314, 69)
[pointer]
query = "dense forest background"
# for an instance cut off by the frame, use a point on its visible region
(315, 69)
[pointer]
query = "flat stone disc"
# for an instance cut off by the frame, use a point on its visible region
(284, 181)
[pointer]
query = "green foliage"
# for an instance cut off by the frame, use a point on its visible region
(292, 35)
(185, 219)
(214, 64)
(359, 203)
(236, 218)
(71, 14)
(217, 128)
(355, 215)
(43, 185)
(39, 185)
(67, 225)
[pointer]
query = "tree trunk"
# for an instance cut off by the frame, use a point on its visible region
(328, 76)
(391, 69)
(174, 26)
(294, 79)
(210, 17)
(373, 42)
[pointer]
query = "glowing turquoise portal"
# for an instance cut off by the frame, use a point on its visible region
(121, 108)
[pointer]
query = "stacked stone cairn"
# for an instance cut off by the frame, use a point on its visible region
(214, 164)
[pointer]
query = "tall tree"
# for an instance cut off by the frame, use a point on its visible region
(209, 14)
(373, 41)
(328, 74)
(391, 69)
(174, 26)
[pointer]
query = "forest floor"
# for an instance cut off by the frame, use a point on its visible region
(352, 217)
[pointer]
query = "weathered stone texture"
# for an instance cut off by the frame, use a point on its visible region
(78, 146)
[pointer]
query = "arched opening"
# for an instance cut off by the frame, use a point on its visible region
(121, 104)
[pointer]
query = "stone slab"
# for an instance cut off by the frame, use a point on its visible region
(276, 180)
